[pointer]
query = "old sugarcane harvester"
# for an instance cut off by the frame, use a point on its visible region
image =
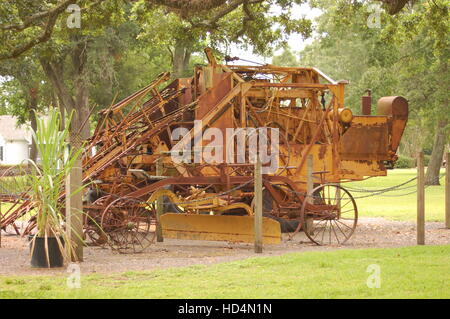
(183, 156)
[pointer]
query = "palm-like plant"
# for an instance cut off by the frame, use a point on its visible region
(47, 181)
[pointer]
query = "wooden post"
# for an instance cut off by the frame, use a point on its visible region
(74, 203)
(309, 222)
(447, 190)
(159, 203)
(258, 207)
(420, 199)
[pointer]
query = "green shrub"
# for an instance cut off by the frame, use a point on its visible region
(426, 159)
(405, 162)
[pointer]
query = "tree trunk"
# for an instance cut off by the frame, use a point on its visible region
(55, 73)
(181, 57)
(78, 102)
(80, 121)
(33, 93)
(434, 166)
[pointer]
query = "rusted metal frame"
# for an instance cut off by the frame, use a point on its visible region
(267, 69)
(138, 115)
(275, 196)
(210, 56)
(272, 99)
(114, 155)
(157, 93)
(126, 119)
(291, 116)
(329, 127)
(117, 132)
(214, 167)
(279, 125)
(319, 109)
(161, 78)
(324, 76)
(253, 111)
(100, 155)
(218, 109)
(106, 149)
(336, 157)
(288, 123)
(290, 93)
(194, 180)
(14, 213)
(235, 76)
(261, 123)
(161, 108)
(195, 94)
(295, 191)
(132, 115)
(314, 139)
(243, 111)
(303, 120)
(206, 180)
(295, 85)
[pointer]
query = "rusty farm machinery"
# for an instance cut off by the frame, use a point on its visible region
(208, 193)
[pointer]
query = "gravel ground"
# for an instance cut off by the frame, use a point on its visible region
(370, 233)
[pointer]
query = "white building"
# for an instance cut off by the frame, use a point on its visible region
(14, 141)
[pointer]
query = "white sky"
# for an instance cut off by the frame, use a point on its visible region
(296, 42)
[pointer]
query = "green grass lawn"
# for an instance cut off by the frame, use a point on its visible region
(392, 206)
(412, 272)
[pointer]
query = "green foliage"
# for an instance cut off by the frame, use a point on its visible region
(286, 58)
(250, 25)
(405, 162)
(21, 81)
(48, 177)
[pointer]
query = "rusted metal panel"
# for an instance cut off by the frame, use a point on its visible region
(365, 142)
(218, 228)
(214, 95)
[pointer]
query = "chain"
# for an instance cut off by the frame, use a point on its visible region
(378, 192)
(362, 190)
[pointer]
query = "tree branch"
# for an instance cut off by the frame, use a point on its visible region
(395, 6)
(190, 5)
(52, 15)
(37, 17)
(44, 37)
(231, 6)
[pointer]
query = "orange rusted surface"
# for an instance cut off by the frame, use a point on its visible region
(306, 106)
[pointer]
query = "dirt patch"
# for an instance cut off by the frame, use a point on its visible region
(370, 233)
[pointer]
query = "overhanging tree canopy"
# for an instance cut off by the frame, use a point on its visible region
(25, 24)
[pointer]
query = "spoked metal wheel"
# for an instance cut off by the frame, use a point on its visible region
(331, 215)
(130, 225)
(93, 232)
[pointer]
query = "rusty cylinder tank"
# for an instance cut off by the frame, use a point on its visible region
(396, 106)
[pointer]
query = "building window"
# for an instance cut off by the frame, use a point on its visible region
(1, 153)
